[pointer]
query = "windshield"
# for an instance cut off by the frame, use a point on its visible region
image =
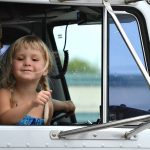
(128, 92)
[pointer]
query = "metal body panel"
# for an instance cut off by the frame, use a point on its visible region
(39, 137)
(145, 9)
(68, 2)
(28, 1)
(86, 2)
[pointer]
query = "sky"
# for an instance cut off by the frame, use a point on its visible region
(86, 46)
(84, 42)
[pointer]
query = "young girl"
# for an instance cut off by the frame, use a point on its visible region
(25, 70)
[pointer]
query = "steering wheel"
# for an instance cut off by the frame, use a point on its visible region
(59, 115)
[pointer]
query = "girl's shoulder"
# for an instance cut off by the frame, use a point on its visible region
(5, 92)
(5, 100)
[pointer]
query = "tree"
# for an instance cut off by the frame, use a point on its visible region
(82, 66)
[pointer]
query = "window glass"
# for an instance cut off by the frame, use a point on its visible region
(83, 76)
(3, 49)
(128, 90)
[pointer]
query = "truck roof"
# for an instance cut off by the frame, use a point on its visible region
(72, 2)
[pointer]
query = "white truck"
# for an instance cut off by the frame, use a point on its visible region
(101, 62)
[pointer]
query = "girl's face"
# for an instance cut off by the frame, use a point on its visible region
(28, 64)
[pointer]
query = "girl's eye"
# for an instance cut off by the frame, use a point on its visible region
(35, 59)
(19, 58)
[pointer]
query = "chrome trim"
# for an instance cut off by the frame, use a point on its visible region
(118, 123)
(105, 68)
(134, 132)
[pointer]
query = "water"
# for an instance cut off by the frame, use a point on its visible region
(85, 116)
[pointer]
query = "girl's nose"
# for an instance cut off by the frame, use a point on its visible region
(27, 62)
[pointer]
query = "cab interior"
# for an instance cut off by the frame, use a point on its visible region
(18, 19)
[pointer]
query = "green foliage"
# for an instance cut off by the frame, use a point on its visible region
(78, 65)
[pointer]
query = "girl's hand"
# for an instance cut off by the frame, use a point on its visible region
(42, 98)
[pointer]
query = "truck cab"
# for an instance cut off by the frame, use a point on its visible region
(101, 61)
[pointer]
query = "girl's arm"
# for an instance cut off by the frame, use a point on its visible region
(66, 106)
(10, 115)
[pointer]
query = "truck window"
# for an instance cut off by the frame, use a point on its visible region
(83, 76)
(129, 94)
(3, 49)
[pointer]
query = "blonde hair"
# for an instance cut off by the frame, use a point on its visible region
(7, 78)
